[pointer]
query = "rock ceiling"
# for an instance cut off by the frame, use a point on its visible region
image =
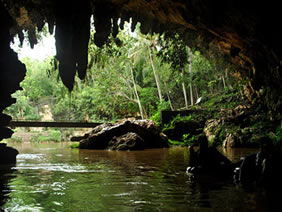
(246, 32)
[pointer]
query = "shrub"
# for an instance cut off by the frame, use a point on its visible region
(52, 135)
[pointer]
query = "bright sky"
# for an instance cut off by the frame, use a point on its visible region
(42, 50)
(45, 47)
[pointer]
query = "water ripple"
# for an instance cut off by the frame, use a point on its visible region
(30, 156)
(53, 167)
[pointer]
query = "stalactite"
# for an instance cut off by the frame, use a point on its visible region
(145, 26)
(32, 37)
(64, 43)
(115, 26)
(133, 23)
(51, 25)
(72, 37)
(102, 22)
(232, 28)
(123, 18)
(81, 38)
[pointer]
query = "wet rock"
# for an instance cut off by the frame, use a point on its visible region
(7, 154)
(119, 136)
(12, 71)
(231, 140)
(128, 141)
(210, 127)
(79, 138)
(240, 127)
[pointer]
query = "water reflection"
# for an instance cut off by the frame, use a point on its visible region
(6, 174)
(50, 177)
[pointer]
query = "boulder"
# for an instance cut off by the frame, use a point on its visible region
(125, 135)
(128, 141)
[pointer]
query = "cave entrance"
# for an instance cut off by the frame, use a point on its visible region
(233, 32)
(131, 75)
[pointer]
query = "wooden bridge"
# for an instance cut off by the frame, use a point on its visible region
(14, 124)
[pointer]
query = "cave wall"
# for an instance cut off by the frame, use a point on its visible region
(12, 72)
(245, 33)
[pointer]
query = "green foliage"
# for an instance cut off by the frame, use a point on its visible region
(176, 143)
(173, 50)
(189, 140)
(50, 135)
(23, 109)
(276, 136)
(119, 73)
(177, 119)
(157, 114)
(14, 138)
(74, 145)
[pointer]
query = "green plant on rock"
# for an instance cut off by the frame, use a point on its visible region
(74, 145)
(176, 143)
(189, 140)
(277, 135)
(176, 119)
(157, 115)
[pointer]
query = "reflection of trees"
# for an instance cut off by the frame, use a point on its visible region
(148, 179)
(91, 180)
(5, 177)
(131, 163)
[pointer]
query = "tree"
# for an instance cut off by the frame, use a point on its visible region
(131, 75)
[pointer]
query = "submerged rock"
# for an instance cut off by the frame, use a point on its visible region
(125, 135)
(7, 154)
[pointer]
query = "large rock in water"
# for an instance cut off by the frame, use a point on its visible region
(126, 135)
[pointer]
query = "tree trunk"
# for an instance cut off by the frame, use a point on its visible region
(197, 92)
(137, 96)
(184, 90)
(168, 96)
(191, 74)
(156, 77)
(223, 81)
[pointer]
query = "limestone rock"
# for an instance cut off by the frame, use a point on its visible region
(210, 127)
(125, 135)
(231, 140)
(7, 154)
(128, 141)
(12, 71)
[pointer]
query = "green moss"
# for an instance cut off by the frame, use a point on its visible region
(176, 143)
(178, 118)
(74, 145)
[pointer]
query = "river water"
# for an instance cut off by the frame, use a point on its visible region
(52, 177)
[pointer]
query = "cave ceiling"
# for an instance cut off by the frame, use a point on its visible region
(246, 32)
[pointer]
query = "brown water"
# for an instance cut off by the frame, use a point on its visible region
(52, 177)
